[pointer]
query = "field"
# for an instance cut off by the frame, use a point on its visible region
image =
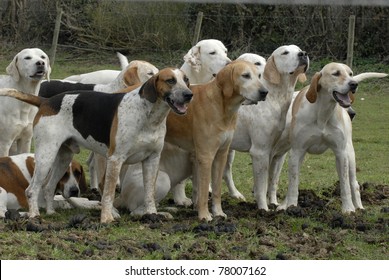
(315, 229)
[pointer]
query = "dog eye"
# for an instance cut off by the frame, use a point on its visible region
(150, 73)
(285, 53)
(257, 63)
(336, 74)
(212, 53)
(351, 74)
(171, 81)
(43, 57)
(186, 80)
(28, 57)
(246, 76)
(260, 75)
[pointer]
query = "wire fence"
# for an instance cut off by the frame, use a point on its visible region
(150, 27)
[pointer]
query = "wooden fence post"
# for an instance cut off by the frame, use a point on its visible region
(350, 40)
(197, 28)
(55, 35)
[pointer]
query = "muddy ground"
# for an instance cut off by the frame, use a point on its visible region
(316, 229)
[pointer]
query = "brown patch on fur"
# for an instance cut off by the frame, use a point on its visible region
(314, 88)
(13, 180)
(79, 174)
(113, 133)
(131, 76)
(271, 72)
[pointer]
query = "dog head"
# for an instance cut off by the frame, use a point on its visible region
(257, 60)
(73, 181)
(30, 64)
(286, 60)
(337, 81)
(144, 71)
(207, 55)
(241, 80)
(171, 86)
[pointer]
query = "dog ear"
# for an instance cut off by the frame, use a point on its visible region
(131, 76)
(224, 80)
(193, 58)
(149, 89)
(271, 73)
(12, 69)
(314, 87)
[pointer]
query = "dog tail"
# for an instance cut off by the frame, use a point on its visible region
(123, 60)
(28, 98)
(369, 75)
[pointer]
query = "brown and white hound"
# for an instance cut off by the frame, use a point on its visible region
(124, 127)
(15, 176)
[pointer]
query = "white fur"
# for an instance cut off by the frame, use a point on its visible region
(16, 117)
(204, 60)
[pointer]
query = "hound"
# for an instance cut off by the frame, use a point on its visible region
(207, 128)
(260, 126)
(25, 74)
(15, 176)
(316, 122)
(130, 129)
(204, 60)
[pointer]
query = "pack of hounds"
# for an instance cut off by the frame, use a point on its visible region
(150, 130)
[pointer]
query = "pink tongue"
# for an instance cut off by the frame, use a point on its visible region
(180, 107)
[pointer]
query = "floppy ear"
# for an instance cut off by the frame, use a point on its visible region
(224, 80)
(352, 97)
(149, 89)
(314, 87)
(302, 78)
(193, 58)
(131, 76)
(271, 73)
(12, 69)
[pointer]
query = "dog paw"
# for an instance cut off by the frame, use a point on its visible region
(238, 196)
(184, 201)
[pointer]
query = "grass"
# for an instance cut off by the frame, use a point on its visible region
(247, 233)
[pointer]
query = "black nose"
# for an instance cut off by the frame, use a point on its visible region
(263, 94)
(187, 95)
(74, 191)
(40, 63)
(302, 54)
(353, 85)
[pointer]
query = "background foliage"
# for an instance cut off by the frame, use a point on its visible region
(138, 27)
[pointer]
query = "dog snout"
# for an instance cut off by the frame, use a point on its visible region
(187, 95)
(262, 94)
(73, 191)
(353, 86)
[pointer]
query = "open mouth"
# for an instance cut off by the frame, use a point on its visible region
(178, 107)
(342, 99)
(38, 75)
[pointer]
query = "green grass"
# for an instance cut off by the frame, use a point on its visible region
(256, 235)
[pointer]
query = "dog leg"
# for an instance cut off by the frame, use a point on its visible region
(355, 188)
(62, 161)
(202, 181)
(91, 162)
(261, 175)
(150, 167)
(44, 161)
(227, 176)
(217, 176)
(275, 172)
(342, 166)
(295, 160)
(108, 214)
(179, 194)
